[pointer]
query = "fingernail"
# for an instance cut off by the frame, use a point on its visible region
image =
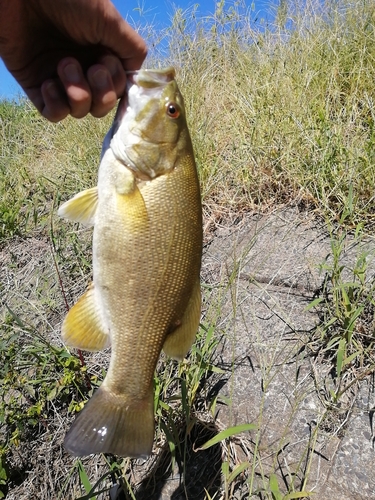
(112, 65)
(72, 73)
(53, 90)
(100, 78)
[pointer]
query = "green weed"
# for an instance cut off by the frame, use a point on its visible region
(37, 379)
(347, 301)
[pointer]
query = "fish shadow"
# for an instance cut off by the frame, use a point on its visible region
(193, 473)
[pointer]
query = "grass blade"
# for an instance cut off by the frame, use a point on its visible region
(84, 478)
(231, 431)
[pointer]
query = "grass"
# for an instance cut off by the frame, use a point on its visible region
(281, 114)
(348, 312)
(295, 120)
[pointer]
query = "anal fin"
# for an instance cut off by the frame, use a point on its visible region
(83, 326)
(181, 338)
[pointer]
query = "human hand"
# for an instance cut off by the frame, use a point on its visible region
(69, 56)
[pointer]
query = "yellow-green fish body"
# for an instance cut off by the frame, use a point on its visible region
(147, 247)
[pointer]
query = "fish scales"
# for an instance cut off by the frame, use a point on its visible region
(150, 288)
(147, 247)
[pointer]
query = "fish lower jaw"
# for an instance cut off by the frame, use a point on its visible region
(128, 164)
(138, 173)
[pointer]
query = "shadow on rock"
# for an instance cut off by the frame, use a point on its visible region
(195, 472)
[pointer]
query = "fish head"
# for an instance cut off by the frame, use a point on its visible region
(150, 131)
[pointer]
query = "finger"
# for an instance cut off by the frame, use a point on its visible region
(76, 86)
(50, 100)
(104, 96)
(55, 104)
(117, 72)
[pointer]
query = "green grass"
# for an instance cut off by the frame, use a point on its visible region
(280, 114)
(53, 164)
(347, 302)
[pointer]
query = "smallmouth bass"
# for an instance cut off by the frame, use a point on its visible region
(147, 247)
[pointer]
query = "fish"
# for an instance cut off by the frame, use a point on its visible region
(145, 294)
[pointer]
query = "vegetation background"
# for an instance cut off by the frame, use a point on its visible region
(280, 114)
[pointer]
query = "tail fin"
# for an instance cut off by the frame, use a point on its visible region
(111, 424)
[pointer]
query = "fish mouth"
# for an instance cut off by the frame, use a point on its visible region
(151, 78)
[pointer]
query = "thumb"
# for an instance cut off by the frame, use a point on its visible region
(124, 41)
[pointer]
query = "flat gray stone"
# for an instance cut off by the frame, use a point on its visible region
(268, 270)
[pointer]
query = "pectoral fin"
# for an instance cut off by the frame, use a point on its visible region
(133, 209)
(180, 340)
(81, 208)
(83, 326)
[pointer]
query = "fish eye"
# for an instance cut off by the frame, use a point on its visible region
(173, 110)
